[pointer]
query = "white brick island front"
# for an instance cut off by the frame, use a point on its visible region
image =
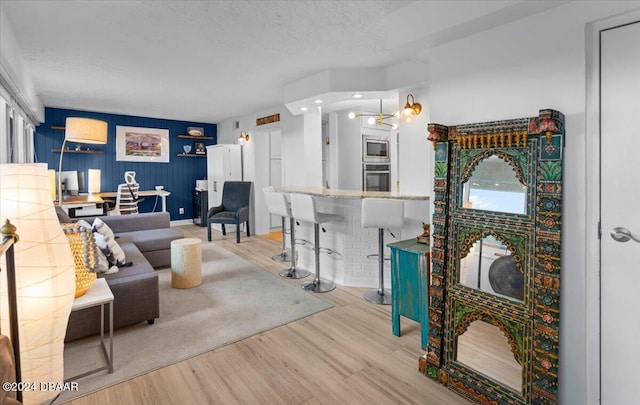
(349, 243)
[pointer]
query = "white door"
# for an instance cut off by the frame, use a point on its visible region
(620, 208)
(275, 169)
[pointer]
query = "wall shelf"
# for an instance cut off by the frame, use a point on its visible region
(93, 152)
(195, 137)
(191, 155)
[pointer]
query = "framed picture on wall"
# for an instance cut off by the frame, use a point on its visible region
(199, 148)
(135, 144)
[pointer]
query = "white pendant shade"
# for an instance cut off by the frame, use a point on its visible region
(45, 276)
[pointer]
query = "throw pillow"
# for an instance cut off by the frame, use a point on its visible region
(112, 251)
(83, 248)
(84, 224)
(100, 227)
(102, 266)
(83, 245)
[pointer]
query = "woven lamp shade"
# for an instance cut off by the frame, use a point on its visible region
(45, 276)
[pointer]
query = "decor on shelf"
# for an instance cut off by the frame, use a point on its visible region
(426, 234)
(45, 277)
(376, 118)
(135, 144)
(411, 109)
(495, 285)
(244, 137)
(94, 181)
(81, 130)
(186, 149)
(199, 148)
(195, 131)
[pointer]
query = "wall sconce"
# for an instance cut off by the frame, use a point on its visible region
(411, 109)
(244, 137)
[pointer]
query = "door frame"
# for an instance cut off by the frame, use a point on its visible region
(593, 179)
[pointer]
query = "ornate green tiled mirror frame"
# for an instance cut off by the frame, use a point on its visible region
(529, 319)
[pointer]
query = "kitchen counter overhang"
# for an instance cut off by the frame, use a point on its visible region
(337, 193)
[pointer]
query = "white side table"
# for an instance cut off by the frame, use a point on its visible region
(98, 294)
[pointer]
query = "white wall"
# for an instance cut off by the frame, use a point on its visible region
(416, 153)
(348, 152)
(15, 73)
(312, 148)
(512, 71)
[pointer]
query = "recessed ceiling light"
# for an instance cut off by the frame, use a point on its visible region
(318, 101)
(303, 108)
(357, 95)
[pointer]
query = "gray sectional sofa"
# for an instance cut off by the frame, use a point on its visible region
(146, 242)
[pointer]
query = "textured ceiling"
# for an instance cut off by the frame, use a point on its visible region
(196, 60)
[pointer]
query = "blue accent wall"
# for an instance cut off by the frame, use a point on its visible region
(178, 176)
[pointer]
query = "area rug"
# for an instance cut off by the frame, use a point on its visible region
(235, 300)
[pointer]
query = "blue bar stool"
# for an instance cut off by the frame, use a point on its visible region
(277, 204)
(381, 213)
(303, 207)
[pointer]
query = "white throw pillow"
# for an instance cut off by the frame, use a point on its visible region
(100, 227)
(110, 248)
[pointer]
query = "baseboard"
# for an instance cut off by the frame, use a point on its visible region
(183, 222)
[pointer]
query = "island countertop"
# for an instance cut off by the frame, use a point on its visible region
(337, 193)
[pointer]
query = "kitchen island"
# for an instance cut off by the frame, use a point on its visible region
(348, 242)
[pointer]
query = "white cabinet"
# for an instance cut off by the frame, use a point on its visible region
(224, 163)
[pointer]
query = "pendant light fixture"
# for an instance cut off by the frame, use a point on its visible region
(376, 118)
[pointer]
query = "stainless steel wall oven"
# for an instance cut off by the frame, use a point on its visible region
(376, 177)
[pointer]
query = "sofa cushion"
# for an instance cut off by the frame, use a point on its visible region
(226, 217)
(151, 240)
(139, 265)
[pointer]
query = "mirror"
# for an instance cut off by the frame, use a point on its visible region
(489, 267)
(494, 293)
(485, 348)
(493, 186)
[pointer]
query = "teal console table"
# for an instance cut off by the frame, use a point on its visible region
(409, 280)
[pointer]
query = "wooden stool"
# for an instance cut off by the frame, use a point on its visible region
(186, 263)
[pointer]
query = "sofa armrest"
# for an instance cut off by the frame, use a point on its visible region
(137, 222)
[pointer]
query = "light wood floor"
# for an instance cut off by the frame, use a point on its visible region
(344, 355)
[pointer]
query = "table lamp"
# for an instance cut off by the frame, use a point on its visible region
(44, 277)
(94, 181)
(81, 130)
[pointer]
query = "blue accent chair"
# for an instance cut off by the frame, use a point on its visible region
(236, 200)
